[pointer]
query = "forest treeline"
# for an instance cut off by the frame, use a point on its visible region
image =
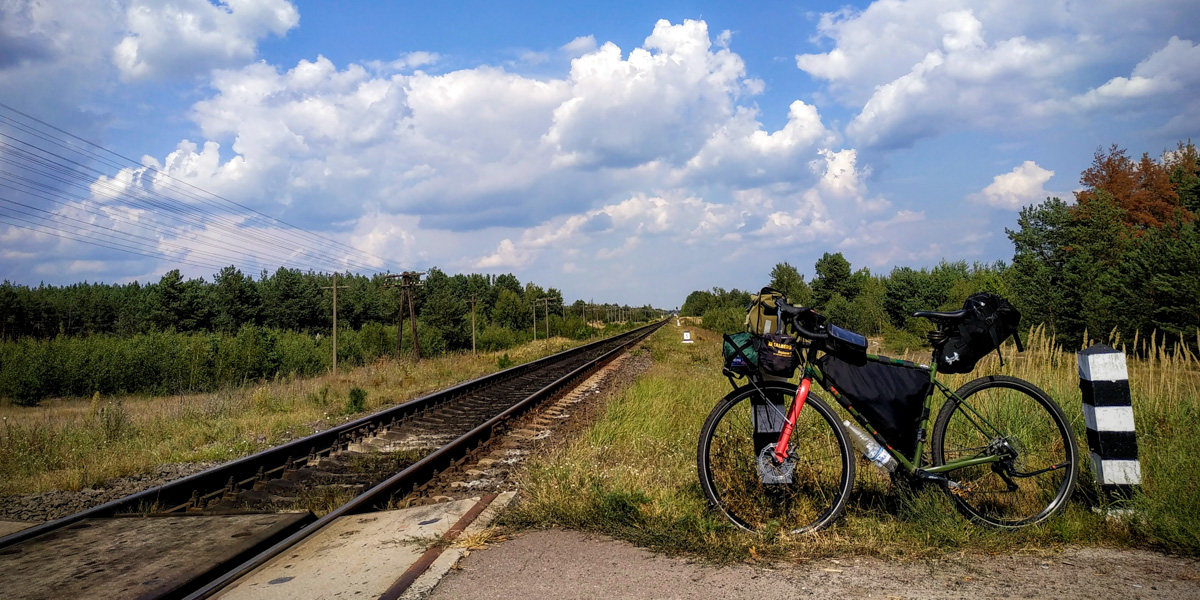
(180, 335)
(1123, 259)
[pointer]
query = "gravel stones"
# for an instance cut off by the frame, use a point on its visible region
(46, 506)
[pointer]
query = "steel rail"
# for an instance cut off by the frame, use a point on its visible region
(424, 468)
(179, 491)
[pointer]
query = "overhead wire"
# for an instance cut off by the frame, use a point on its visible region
(317, 248)
(70, 235)
(156, 201)
(135, 166)
(59, 197)
(121, 235)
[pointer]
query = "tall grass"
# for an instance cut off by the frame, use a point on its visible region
(633, 473)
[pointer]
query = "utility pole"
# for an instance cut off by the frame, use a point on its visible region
(473, 324)
(535, 320)
(335, 287)
(545, 300)
(408, 281)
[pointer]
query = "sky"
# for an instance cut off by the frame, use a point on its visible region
(620, 151)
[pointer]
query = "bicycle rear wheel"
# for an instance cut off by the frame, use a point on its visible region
(806, 493)
(1010, 417)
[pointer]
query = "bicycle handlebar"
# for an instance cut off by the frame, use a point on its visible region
(803, 317)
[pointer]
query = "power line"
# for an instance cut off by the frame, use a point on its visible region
(119, 235)
(62, 198)
(78, 238)
(155, 201)
(316, 245)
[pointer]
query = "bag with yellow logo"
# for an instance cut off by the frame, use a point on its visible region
(777, 355)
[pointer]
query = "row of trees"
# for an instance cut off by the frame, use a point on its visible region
(288, 300)
(1124, 258)
(192, 335)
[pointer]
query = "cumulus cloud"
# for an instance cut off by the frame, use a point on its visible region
(1022, 186)
(483, 147)
(740, 149)
(54, 59)
(778, 215)
(651, 152)
(580, 45)
(920, 68)
(1170, 74)
(507, 255)
(185, 37)
(662, 102)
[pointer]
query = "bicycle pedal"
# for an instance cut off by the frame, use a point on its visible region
(962, 490)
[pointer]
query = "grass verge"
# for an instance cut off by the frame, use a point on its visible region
(632, 475)
(72, 443)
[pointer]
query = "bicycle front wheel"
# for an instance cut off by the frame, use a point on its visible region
(1015, 420)
(804, 494)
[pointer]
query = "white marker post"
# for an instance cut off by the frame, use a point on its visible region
(1108, 411)
(687, 337)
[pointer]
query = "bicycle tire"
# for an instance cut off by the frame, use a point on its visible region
(1004, 414)
(821, 473)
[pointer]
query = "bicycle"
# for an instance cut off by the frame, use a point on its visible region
(1001, 448)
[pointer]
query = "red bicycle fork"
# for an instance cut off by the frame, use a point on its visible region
(792, 416)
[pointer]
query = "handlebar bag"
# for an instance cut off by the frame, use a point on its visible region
(777, 355)
(890, 396)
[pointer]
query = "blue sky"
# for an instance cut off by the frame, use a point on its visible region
(618, 151)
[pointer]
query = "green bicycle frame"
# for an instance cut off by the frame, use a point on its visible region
(813, 372)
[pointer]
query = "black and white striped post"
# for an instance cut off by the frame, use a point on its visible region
(1104, 381)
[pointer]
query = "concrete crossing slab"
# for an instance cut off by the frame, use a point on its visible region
(360, 556)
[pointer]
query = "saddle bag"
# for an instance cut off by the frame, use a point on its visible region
(990, 320)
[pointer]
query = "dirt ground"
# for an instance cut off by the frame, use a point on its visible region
(562, 564)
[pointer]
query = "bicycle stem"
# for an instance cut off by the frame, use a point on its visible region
(790, 422)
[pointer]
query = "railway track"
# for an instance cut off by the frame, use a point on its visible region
(193, 536)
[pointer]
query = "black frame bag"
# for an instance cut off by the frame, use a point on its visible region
(990, 319)
(891, 397)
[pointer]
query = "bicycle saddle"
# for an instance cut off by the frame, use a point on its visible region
(951, 316)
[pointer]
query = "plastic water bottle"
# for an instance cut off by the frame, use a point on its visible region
(878, 455)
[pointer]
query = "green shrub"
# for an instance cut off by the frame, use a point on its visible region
(728, 319)
(22, 366)
(898, 341)
(504, 362)
(494, 337)
(357, 402)
(300, 354)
